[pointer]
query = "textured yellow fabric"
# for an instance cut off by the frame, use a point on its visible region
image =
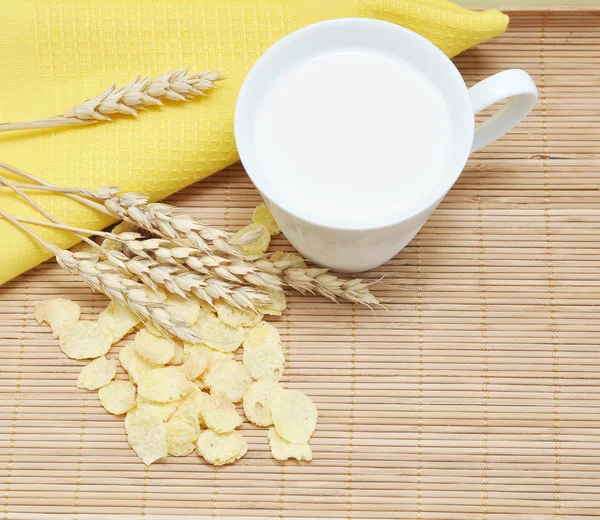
(54, 54)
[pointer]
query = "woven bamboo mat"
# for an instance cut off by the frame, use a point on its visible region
(476, 396)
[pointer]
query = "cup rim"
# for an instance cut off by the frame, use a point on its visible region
(428, 203)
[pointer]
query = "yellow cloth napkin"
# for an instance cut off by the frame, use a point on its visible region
(56, 54)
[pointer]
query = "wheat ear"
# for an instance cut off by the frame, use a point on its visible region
(317, 280)
(127, 100)
(179, 232)
(183, 236)
(185, 231)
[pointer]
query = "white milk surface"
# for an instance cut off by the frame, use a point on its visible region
(352, 138)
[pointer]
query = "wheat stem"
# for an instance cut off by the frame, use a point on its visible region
(91, 204)
(51, 122)
(39, 208)
(66, 227)
(28, 199)
(35, 236)
(39, 187)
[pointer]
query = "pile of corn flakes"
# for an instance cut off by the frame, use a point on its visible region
(182, 397)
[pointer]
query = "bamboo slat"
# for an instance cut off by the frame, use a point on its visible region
(476, 394)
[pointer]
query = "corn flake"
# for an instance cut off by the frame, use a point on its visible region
(258, 400)
(97, 374)
(158, 350)
(219, 414)
(205, 310)
(117, 320)
(294, 416)
(229, 379)
(262, 215)
(124, 227)
(151, 329)
(257, 246)
(277, 304)
(147, 435)
(235, 317)
(121, 227)
(136, 366)
(117, 397)
(177, 358)
(182, 433)
(163, 385)
(162, 410)
(291, 259)
(61, 314)
(200, 383)
(83, 247)
(220, 336)
(112, 245)
(194, 365)
(218, 449)
(263, 355)
(205, 350)
(284, 450)
(85, 340)
(192, 402)
(187, 310)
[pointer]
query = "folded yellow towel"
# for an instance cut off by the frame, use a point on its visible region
(56, 54)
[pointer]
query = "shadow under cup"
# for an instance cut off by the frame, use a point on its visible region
(352, 247)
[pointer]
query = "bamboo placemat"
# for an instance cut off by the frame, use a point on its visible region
(477, 395)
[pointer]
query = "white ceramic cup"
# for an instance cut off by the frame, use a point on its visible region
(355, 248)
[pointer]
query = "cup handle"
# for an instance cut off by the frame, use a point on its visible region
(516, 86)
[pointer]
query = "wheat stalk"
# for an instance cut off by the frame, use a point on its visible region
(128, 100)
(175, 255)
(156, 218)
(187, 232)
(166, 268)
(151, 273)
(49, 216)
(215, 279)
(159, 274)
